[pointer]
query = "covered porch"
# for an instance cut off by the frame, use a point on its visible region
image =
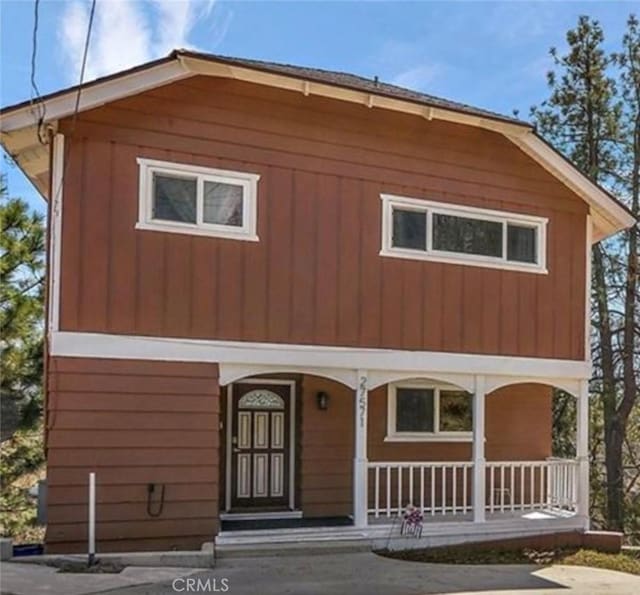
(465, 495)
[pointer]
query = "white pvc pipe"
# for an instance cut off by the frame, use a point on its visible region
(92, 517)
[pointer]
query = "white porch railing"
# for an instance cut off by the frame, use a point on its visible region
(446, 488)
(435, 488)
(532, 485)
(563, 484)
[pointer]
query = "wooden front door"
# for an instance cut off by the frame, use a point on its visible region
(260, 446)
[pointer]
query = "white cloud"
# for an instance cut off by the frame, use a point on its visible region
(418, 77)
(403, 63)
(129, 32)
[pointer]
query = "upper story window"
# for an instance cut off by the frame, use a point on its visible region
(189, 199)
(421, 411)
(426, 230)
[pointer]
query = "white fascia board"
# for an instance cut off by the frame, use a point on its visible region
(365, 98)
(608, 216)
(98, 345)
(96, 95)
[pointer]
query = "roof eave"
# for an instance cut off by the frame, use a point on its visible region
(609, 215)
(18, 133)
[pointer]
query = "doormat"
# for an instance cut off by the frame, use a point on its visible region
(257, 524)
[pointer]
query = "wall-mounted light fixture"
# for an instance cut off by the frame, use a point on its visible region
(322, 399)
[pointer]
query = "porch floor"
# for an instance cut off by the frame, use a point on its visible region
(526, 515)
(384, 533)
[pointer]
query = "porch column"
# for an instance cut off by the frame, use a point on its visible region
(582, 451)
(479, 461)
(360, 451)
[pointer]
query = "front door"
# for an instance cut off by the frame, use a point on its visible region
(260, 443)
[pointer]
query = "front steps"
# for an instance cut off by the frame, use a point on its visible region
(292, 541)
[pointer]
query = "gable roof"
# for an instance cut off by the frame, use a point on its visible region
(19, 129)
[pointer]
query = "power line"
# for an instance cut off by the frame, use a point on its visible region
(84, 59)
(54, 199)
(37, 103)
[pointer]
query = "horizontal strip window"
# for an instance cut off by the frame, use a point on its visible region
(427, 230)
(188, 199)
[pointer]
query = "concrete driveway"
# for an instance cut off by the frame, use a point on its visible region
(368, 574)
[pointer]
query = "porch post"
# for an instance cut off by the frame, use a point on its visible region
(479, 462)
(360, 450)
(582, 451)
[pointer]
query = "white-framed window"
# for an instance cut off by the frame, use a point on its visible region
(189, 199)
(421, 411)
(443, 232)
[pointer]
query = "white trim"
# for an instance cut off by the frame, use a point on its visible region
(430, 207)
(228, 373)
(360, 462)
(414, 363)
(393, 435)
(608, 216)
(462, 381)
(290, 82)
(495, 382)
(195, 231)
(55, 229)
(99, 94)
(429, 437)
(582, 450)
(587, 299)
(292, 439)
(247, 181)
(255, 516)
(478, 450)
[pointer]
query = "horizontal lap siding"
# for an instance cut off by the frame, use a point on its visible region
(518, 428)
(315, 276)
(132, 423)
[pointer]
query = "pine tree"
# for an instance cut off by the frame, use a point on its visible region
(21, 308)
(583, 117)
(626, 272)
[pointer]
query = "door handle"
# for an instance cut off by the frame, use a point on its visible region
(235, 450)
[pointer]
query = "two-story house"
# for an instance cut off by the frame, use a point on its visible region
(297, 301)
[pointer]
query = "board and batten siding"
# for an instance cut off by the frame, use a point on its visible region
(133, 423)
(315, 276)
(326, 449)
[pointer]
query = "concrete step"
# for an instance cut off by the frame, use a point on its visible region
(306, 540)
(259, 537)
(292, 548)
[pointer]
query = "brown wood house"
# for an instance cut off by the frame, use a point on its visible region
(298, 301)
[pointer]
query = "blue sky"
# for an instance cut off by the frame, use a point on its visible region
(489, 54)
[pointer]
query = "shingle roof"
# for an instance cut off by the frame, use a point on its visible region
(329, 77)
(355, 82)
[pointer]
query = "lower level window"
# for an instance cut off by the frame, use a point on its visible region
(428, 412)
